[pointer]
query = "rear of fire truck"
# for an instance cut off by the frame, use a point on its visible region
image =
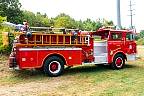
(50, 51)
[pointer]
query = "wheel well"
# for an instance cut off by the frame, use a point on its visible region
(121, 54)
(57, 56)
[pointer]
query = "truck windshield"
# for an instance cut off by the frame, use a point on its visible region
(130, 37)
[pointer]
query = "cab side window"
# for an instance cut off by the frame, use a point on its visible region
(129, 37)
(116, 36)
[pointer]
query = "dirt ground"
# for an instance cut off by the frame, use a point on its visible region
(27, 82)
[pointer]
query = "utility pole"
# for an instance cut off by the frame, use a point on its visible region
(131, 14)
(118, 15)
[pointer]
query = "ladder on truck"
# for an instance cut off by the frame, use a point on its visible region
(43, 39)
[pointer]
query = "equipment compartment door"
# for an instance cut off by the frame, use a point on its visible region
(75, 57)
(100, 52)
(28, 59)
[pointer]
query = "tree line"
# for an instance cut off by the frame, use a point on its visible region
(12, 10)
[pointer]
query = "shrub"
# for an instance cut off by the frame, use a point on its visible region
(5, 49)
(140, 41)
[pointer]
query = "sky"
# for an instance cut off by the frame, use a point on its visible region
(93, 9)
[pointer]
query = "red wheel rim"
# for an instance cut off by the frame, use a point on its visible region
(54, 66)
(119, 62)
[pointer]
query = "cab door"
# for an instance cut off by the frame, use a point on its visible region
(115, 44)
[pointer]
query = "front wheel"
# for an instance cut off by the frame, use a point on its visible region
(54, 66)
(118, 62)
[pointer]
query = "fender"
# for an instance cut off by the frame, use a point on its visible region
(52, 54)
(113, 53)
(117, 53)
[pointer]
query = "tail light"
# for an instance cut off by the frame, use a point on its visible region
(12, 60)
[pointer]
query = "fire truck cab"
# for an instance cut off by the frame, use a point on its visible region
(51, 52)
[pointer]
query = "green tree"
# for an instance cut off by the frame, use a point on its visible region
(98, 24)
(79, 25)
(137, 37)
(2, 19)
(141, 34)
(65, 21)
(11, 10)
(90, 25)
(51, 21)
(107, 23)
(42, 20)
(36, 20)
(30, 17)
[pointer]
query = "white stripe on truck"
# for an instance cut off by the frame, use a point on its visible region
(40, 49)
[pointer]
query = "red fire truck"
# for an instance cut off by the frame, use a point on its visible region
(52, 51)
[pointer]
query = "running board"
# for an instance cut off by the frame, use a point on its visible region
(93, 63)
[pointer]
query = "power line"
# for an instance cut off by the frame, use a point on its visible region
(131, 13)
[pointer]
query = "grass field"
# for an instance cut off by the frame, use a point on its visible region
(77, 81)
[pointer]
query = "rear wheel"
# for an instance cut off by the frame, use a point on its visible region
(118, 62)
(54, 66)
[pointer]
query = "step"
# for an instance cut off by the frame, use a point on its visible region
(101, 59)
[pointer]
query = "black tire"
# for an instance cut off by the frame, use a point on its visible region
(118, 62)
(54, 66)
